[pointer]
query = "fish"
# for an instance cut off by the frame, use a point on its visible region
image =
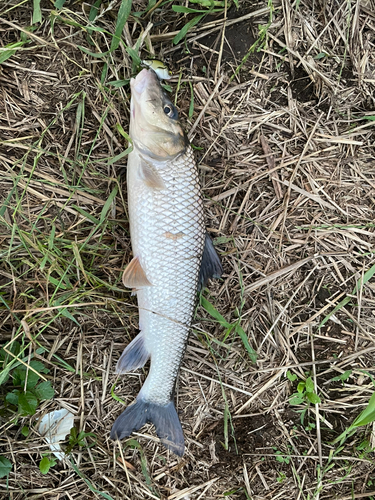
(160, 68)
(173, 256)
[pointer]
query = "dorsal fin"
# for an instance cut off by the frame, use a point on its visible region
(211, 266)
(134, 275)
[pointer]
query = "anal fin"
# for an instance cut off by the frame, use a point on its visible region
(134, 275)
(211, 266)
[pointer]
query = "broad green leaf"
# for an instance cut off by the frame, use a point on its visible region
(25, 431)
(371, 118)
(45, 464)
(44, 390)
(309, 385)
(5, 466)
(59, 4)
(291, 376)
(122, 17)
(12, 397)
(313, 398)
(27, 403)
(301, 387)
(37, 13)
(296, 400)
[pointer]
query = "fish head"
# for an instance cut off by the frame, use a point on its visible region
(154, 125)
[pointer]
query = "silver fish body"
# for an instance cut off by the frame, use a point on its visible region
(169, 241)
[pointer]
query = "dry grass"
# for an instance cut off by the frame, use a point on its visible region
(288, 175)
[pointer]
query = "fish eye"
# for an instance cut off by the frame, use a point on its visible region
(170, 111)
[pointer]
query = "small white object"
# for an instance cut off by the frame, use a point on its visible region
(54, 427)
(159, 67)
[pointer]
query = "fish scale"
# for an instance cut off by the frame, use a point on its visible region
(172, 257)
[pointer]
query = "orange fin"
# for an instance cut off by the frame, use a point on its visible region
(134, 276)
(150, 175)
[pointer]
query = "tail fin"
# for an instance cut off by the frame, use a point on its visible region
(164, 418)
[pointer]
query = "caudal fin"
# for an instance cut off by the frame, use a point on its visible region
(164, 418)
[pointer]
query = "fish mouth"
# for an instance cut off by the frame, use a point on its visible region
(143, 80)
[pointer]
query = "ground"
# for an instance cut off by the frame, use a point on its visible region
(285, 148)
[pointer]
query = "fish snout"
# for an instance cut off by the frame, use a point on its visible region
(144, 79)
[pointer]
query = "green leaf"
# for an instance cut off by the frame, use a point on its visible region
(37, 13)
(121, 155)
(291, 376)
(122, 17)
(321, 55)
(25, 431)
(10, 49)
(5, 466)
(27, 403)
(301, 387)
(45, 464)
(313, 398)
(93, 11)
(44, 390)
(342, 377)
(367, 416)
(86, 214)
(59, 3)
(296, 400)
(252, 353)
(309, 385)
(191, 107)
(371, 118)
(186, 28)
(188, 10)
(107, 204)
(12, 397)
(213, 312)
(119, 83)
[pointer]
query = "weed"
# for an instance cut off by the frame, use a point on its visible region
(5, 467)
(29, 391)
(46, 463)
(79, 439)
(280, 476)
(305, 393)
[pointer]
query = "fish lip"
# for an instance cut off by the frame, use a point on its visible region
(144, 79)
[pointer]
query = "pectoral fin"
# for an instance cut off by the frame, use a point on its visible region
(150, 175)
(211, 266)
(134, 275)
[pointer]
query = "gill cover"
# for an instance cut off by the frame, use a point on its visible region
(154, 125)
